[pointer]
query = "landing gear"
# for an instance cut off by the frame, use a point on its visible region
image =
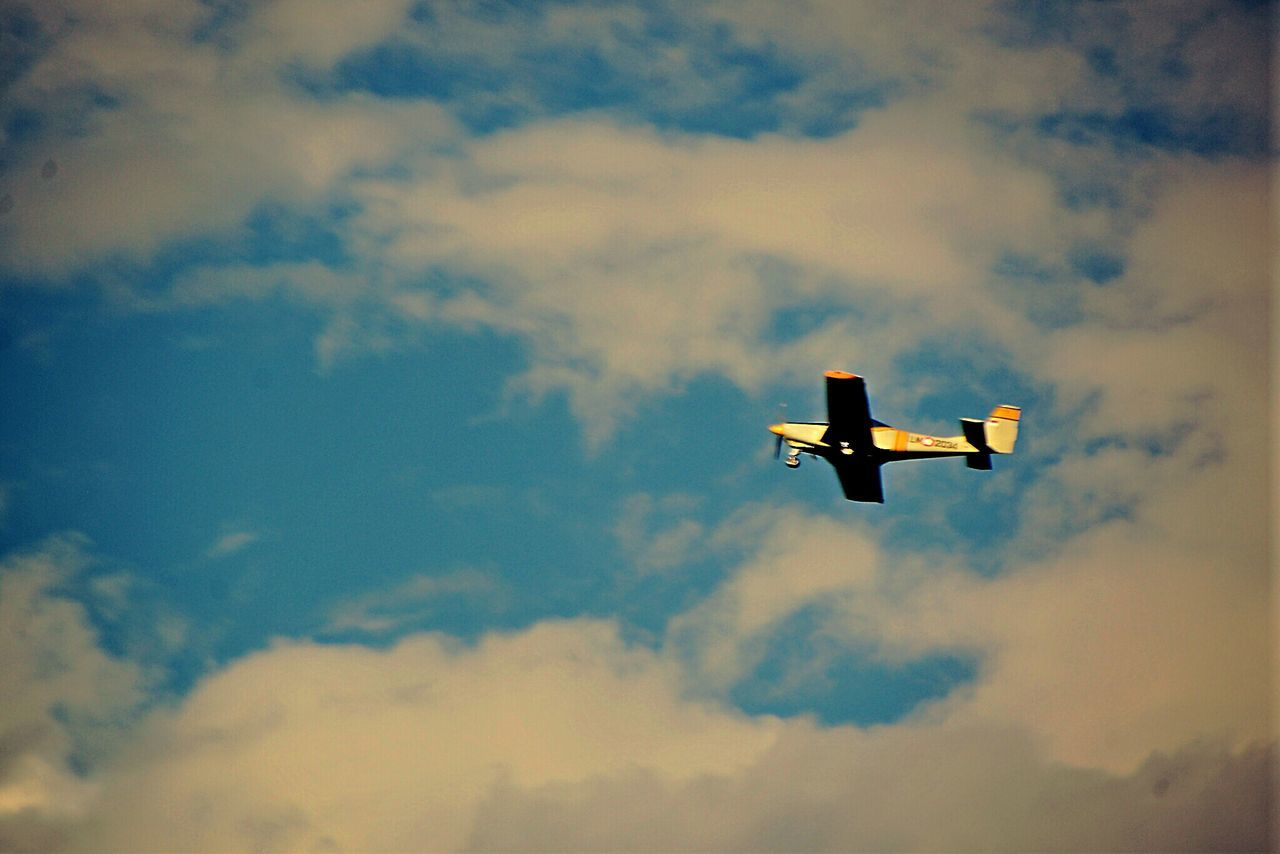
(793, 462)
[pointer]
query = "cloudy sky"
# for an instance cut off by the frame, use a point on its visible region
(382, 448)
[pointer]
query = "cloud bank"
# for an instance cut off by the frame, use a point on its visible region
(563, 736)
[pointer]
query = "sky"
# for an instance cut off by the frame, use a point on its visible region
(383, 461)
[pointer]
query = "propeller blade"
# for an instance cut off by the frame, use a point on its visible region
(782, 419)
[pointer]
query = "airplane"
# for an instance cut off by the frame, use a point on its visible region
(857, 445)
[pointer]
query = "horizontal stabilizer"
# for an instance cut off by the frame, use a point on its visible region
(981, 461)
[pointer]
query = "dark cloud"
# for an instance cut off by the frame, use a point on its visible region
(31, 830)
(976, 791)
(22, 39)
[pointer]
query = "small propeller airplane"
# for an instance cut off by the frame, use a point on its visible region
(857, 444)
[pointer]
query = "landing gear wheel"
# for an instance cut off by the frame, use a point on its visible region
(793, 462)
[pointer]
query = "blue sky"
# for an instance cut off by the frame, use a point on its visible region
(382, 378)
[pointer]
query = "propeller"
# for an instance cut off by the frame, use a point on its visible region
(782, 419)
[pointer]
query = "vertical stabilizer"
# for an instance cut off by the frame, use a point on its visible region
(1002, 428)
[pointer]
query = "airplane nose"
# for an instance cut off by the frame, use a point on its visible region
(776, 429)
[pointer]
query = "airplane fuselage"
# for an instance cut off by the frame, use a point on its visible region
(890, 443)
(857, 445)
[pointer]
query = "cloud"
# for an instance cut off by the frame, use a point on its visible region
(659, 533)
(316, 34)
(631, 261)
(232, 542)
(1112, 650)
(667, 65)
(563, 736)
(1167, 349)
(802, 561)
(348, 747)
(412, 602)
(183, 137)
(63, 701)
(1123, 680)
(898, 789)
(1129, 615)
(628, 259)
(629, 254)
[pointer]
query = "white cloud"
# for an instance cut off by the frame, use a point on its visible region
(899, 789)
(1131, 614)
(631, 260)
(1188, 317)
(627, 259)
(318, 33)
(564, 737)
(232, 542)
(1110, 651)
(347, 747)
(410, 601)
(659, 533)
(63, 700)
(802, 561)
(200, 135)
(1122, 679)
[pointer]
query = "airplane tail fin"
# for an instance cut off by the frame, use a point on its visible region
(1002, 428)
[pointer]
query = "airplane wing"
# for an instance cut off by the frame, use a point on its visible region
(860, 480)
(848, 412)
